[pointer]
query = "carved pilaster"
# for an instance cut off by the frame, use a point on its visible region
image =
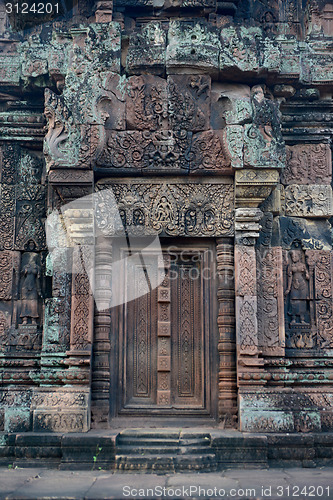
(227, 406)
(82, 302)
(247, 230)
(101, 350)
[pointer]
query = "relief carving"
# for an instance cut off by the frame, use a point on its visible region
(189, 102)
(246, 310)
(298, 289)
(143, 151)
(30, 287)
(150, 207)
(147, 49)
(245, 265)
(263, 142)
(146, 103)
(9, 262)
(308, 201)
(320, 262)
(299, 293)
(308, 164)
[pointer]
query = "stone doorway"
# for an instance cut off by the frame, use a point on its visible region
(165, 344)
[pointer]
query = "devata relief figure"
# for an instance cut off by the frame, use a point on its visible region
(297, 288)
(30, 286)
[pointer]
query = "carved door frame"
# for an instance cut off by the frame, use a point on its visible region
(147, 417)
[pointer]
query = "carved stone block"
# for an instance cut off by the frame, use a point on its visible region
(111, 107)
(193, 45)
(263, 142)
(321, 270)
(146, 103)
(208, 153)
(189, 102)
(246, 325)
(82, 301)
(239, 50)
(299, 314)
(231, 105)
(254, 186)
(7, 217)
(311, 234)
(261, 151)
(146, 49)
(308, 201)
(321, 68)
(234, 137)
(245, 264)
(308, 164)
(146, 151)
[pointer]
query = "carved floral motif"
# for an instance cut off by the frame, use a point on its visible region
(308, 201)
(151, 207)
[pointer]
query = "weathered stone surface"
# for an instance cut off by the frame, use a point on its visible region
(308, 164)
(146, 103)
(308, 201)
(263, 143)
(189, 102)
(193, 46)
(146, 49)
(312, 234)
(61, 410)
(137, 104)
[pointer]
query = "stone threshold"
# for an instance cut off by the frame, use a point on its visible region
(97, 449)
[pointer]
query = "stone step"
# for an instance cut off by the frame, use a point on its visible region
(139, 462)
(205, 462)
(155, 450)
(129, 441)
(148, 433)
(147, 442)
(166, 463)
(143, 450)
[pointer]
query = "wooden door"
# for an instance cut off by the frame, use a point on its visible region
(165, 338)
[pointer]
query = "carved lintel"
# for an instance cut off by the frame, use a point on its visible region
(174, 207)
(70, 176)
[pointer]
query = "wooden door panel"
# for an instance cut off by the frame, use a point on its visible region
(140, 341)
(187, 336)
(164, 340)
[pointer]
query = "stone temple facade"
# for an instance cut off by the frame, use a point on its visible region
(211, 124)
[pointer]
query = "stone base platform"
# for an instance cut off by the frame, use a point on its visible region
(165, 450)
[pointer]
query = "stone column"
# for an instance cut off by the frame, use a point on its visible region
(227, 405)
(101, 347)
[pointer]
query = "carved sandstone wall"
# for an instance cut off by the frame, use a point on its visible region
(206, 119)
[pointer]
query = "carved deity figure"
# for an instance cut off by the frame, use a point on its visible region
(297, 288)
(30, 286)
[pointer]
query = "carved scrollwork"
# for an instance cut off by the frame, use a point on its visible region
(190, 209)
